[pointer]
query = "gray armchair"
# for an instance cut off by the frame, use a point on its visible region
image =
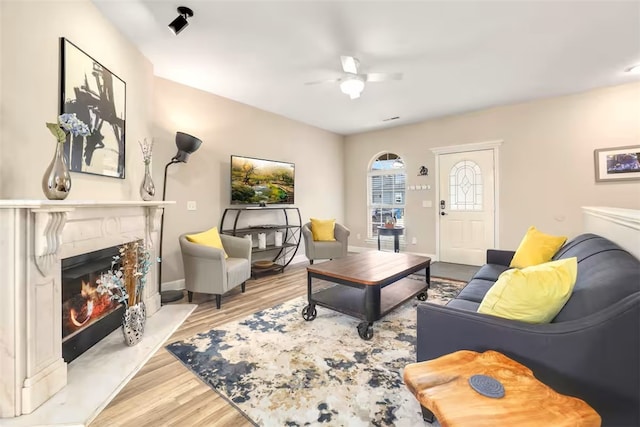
(326, 250)
(207, 271)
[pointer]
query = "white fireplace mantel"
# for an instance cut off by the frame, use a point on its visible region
(619, 225)
(35, 235)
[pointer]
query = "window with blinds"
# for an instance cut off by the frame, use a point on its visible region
(387, 186)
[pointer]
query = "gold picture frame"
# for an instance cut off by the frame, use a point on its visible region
(617, 164)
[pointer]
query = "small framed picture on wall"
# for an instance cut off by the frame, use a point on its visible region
(617, 163)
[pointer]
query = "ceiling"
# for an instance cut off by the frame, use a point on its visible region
(455, 56)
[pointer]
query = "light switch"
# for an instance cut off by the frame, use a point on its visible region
(191, 206)
(427, 204)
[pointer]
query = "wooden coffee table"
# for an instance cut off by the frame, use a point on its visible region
(442, 387)
(368, 286)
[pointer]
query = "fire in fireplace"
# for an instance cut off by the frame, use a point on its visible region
(87, 315)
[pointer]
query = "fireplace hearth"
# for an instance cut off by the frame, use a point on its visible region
(87, 315)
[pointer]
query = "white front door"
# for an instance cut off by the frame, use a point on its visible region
(466, 206)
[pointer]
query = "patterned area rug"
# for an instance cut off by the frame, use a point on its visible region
(280, 370)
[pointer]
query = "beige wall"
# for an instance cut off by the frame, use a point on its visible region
(227, 127)
(29, 81)
(546, 170)
(546, 162)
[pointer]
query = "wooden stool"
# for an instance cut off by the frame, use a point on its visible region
(442, 387)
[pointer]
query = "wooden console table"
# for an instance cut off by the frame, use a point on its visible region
(442, 387)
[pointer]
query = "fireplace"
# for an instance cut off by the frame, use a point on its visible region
(87, 315)
(36, 236)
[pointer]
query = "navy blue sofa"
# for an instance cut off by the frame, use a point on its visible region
(590, 350)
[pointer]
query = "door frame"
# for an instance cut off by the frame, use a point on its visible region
(463, 148)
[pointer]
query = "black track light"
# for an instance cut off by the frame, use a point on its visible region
(180, 22)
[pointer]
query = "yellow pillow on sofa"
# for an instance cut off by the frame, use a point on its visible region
(534, 294)
(210, 237)
(536, 248)
(322, 229)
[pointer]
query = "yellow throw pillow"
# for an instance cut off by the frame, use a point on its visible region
(322, 229)
(534, 294)
(210, 237)
(536, 248)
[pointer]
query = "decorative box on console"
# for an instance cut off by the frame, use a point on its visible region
(35, 236)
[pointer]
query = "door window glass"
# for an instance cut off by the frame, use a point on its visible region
(465, 186)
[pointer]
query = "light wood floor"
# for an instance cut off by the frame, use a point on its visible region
(165, 393)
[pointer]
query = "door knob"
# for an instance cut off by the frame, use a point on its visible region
(443, 213)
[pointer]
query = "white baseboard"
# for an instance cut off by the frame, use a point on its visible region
(176, 285)
(359, 249)
(299, 259)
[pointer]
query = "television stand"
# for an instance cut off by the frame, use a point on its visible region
(235, 222)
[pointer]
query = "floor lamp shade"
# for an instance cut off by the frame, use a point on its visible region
(187, 144)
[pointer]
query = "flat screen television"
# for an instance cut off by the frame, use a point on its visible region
(261, 182)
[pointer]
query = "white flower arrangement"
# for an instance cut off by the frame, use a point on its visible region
(68, 123)
(147, 148)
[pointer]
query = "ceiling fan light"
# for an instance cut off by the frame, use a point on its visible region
(352, 87)
(634, 69)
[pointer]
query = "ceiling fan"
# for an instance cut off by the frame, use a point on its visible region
(352, 83)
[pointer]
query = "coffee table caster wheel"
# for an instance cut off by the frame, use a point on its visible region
(422, 296)
(309, 313)
(365, 330)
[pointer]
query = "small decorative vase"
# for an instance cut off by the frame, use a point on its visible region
(133, 323)
(147, 189)
(56, 182)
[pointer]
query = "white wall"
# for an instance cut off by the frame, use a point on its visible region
(227, 127)
(546, 162)
(29, 85)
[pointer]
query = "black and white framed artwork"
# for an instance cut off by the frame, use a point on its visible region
(98, 98)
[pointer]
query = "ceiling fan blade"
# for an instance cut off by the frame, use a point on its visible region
(349, 64)
(381, 77)
(317, 82)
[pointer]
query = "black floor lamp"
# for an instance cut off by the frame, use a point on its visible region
(187, 144)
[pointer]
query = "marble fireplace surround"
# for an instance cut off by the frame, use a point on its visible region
(36, 386)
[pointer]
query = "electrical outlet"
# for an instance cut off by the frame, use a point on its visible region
(414, 241)
(191, 206)
(358, 236)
